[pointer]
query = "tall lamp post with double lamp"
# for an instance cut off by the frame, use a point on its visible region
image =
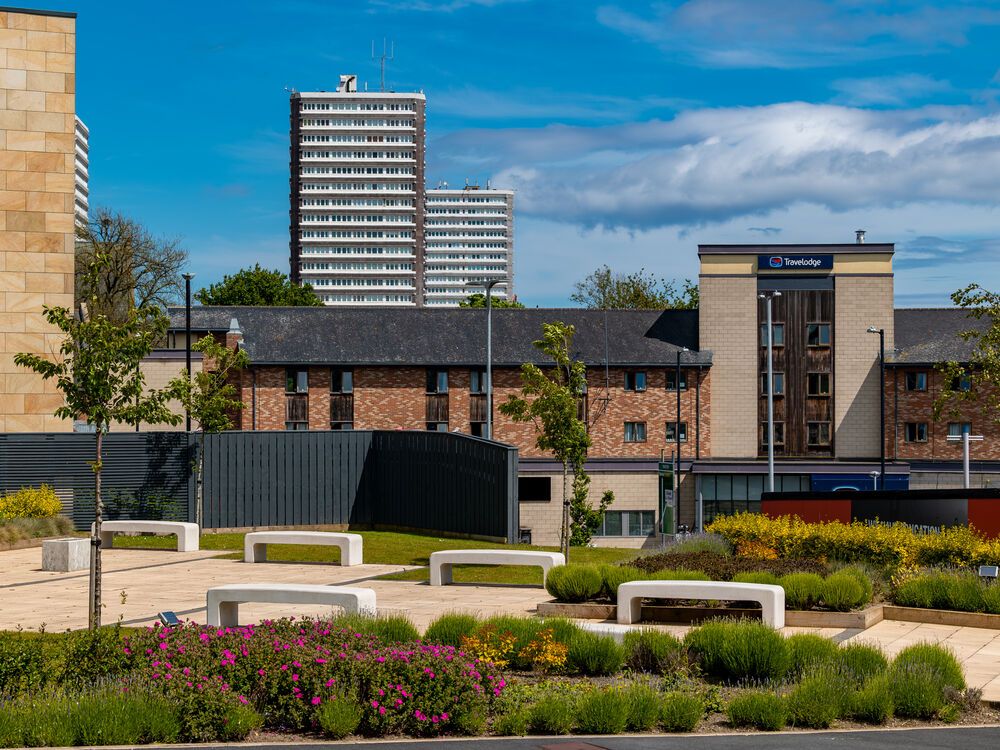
(768, 297)
(881, 400)
(487, 285)
(187, 340)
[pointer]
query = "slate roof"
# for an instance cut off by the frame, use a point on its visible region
(932, 334)
(422, 337)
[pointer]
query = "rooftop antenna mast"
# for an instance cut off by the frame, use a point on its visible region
(386, 56)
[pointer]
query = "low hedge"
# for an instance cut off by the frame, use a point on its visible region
(962, 591)
(721, 567)
(30, 502)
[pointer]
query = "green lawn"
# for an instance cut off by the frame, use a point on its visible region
(393, 548)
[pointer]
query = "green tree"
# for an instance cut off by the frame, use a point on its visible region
(550, 400)
(981, 374)
(607, 289)
(211, 398)
(97, 371)
(479, 300)
(585, 519)
(258, 287)
(137, 269)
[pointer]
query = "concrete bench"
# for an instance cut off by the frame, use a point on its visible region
(66, 555)
(771, 598)
(223, 602)
(255, 543)
(186, 533)
(441, 562)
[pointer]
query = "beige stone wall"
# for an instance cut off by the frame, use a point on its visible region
(37, 120)
(633, 491)
(728, 328)
(158, 371)
(861, 301)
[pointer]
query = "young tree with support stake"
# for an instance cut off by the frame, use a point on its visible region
(97, 370)
(550, 399)
(211, 399)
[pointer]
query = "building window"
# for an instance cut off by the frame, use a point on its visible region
(916, 381)
(534, 489)
(437, 426)
(818, 433)
(961, 383)
(779, 383)
(724, 494)
(672, 432)
(341, 399)
(477, 381)
(777, 334)
(296, 380)
(635, 381)
(627, 523)
(779, 434)
(818, 334)
(818, 384)
(955, 429)
(635, 432)
(296, 398)
(672, 379)
(916, 432)
(437, 381)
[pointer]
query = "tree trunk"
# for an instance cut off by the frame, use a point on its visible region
(564, 536)
(95, 541)
(199, 481)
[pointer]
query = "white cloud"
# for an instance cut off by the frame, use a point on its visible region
(712, 165)
(804, 33)
(896, 90)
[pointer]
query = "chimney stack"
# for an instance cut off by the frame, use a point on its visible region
(859, 236)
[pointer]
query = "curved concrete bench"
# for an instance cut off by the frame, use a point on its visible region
(441, 562)
(255, 543)
(222, 603)
(771, 598)
(186, 533)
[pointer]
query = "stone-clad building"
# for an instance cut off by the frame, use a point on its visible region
(37, 203)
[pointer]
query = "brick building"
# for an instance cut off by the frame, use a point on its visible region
(355, 368)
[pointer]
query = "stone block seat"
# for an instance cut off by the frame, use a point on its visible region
(255, 543)
(222, 603)
(442, 562)
(66, 555)
(187, 533)
(771, 598)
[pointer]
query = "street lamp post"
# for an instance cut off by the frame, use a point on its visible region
(488, 285)
(881, 399)
(965, 437)
(677, 440)
(768, 297)
(187, 341)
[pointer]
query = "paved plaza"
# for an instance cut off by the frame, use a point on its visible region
(140, 583)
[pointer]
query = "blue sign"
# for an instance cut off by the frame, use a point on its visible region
(794, 262)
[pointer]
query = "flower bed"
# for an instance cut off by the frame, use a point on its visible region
(373, 677)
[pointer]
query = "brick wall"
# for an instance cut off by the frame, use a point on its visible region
(389, 398)
(902, 406)
(37, 145)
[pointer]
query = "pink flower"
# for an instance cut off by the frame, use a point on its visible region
(381, 710)
(316, 701)
(260, 672)
(295, 678)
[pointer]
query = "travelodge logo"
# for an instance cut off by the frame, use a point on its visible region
(794, 262)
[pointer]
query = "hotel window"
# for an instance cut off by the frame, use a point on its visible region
(818, 334)
(779, 383)
(296, 398)
(916, 381)
(672, 379)
(817, 433)
(672, 432)
(779, 434)
(627, 523)
(916, 432)
(777, 334)
(818, 384)
(635, 432)
(955, 429)
(341, 399)
(635, 381)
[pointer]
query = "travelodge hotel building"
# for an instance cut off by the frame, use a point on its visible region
(424, 369)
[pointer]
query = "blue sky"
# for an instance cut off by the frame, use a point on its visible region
(631, 130)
